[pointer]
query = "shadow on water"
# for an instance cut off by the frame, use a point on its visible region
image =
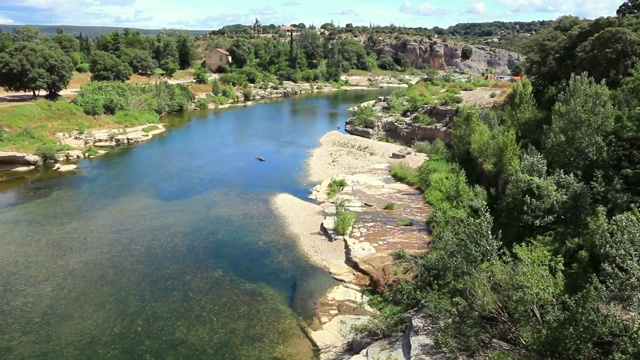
(169, 249)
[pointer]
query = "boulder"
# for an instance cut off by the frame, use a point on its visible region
(15, 158)
(398, 155)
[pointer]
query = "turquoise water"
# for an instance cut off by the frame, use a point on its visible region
(169, 249)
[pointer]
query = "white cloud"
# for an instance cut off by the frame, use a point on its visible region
(6, 21)
(582, 8)
(477, 7)
(426, 9)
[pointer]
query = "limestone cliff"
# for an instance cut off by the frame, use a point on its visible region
(421, 52)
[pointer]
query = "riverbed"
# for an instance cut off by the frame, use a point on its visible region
(169, 249)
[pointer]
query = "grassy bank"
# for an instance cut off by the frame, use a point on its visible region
(30, 126)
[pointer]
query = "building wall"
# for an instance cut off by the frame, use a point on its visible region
(215, 59)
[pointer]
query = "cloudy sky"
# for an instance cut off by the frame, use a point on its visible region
(212, 14)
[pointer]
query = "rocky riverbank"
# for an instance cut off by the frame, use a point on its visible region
(363, 256)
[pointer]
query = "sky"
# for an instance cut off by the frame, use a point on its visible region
(213, 14)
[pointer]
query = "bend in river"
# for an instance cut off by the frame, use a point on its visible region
(169, 249)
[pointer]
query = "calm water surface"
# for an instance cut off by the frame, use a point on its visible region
(168, 249)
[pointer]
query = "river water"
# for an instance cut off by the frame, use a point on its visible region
(169, 249)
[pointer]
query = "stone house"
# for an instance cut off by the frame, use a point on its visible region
(216, 58)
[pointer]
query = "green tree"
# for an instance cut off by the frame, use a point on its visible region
(32, 67)
(629, 7)
(201, 75)
(169, 67)
(310, 44)
(241, 52)
(106, 67)
(142, 63)
(582, 123)
(521, 113)
(24, 34)
(67, 42)
(186, 51)
(517, 69)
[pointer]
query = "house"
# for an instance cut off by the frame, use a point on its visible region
(216, 58)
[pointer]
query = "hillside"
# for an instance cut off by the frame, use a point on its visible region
(95, 31)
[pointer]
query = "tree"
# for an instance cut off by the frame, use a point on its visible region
(582, 123)
(201, 75)
(32, 67)
(310, 44)
(141, 62)
(517, 69)
(106, 67)
(241, 52)
(169, 67)
(24, 34)
(629, 7)
(67, 42)
(186, 51)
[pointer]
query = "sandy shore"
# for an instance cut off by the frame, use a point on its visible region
(338, 154)
(342, 153)
(303, 220)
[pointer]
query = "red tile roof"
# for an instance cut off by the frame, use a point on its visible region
(223, 51)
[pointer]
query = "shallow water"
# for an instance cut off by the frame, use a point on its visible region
(168, 249)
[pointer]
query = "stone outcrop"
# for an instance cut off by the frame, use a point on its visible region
(369, 246)
(401, 128)
(448, 56)
(15, 158)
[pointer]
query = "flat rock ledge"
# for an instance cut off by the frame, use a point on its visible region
(367, 250)
(15, 158)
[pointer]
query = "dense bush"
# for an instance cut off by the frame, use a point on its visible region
(98, 98)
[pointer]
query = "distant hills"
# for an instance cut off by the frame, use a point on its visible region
(95, 31)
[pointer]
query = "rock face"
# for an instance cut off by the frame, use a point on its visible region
(14, 158)
(447, 56)
(369, 244)
(402, 129)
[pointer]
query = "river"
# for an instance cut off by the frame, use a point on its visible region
(169, 249)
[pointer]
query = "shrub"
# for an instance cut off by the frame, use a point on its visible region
(201, 75)
(467, 87)
(47, 152)
(83, 68)
(362, 114)
(435, 148)
(252, 75)
(335, 187)
(404, 174)
(493, 94)
(344, 218)
(405, 222)
(233, 79)
(423, 119)
(150, 128)
(447, 99)
(390, 206)
(247, 94)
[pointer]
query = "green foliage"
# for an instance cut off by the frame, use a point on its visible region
(201, 75)
(361, 115)
(335, 186)
(107, 67)
(169, 67)
(582, 121)
(142, 63)
(449, 99)
(405, 222)
(83, 68)
(344, 219)
(390, 206)
(404, 174)
(150, 128)
(233, 79)
(29, 66)
(97, 98)
(247, 94)
(241, 52)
